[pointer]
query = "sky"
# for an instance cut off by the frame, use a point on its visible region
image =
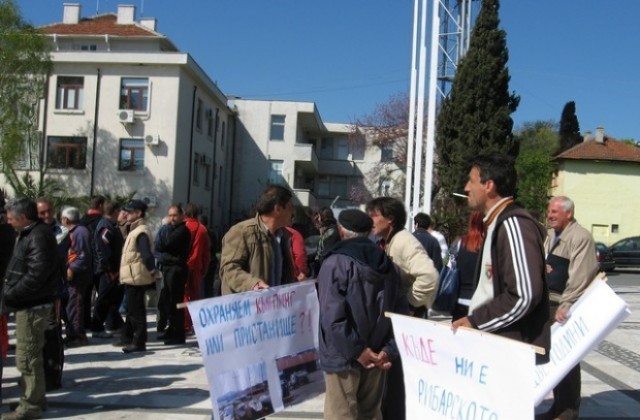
(348, 56)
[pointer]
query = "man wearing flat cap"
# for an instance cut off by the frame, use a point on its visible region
(137, 272)
(357, 284)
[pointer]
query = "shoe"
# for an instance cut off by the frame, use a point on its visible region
(77, 342)
(164, 336)
(20, 415)
(14, 406)
(132, 348)
(174, 341)
(102, 334)
(121, 343)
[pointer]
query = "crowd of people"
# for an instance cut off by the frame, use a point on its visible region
(83, 272)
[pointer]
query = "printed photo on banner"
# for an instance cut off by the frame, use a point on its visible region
(260, 349)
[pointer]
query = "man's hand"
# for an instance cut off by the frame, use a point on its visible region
(260, 285)
(462, 322)
(383, 361)
(368, 358)
(69, 274)
(301, 277)
(562, 314)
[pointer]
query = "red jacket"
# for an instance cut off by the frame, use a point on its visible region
(199, 256)
(298, 253)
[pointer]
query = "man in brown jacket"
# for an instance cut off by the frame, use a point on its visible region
(256, 252)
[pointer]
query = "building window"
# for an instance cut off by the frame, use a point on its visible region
(223, 134)
(131, 155)
(210, 122)
(324, 185)
(69, 92)
(386, 152)
(340, 186)
(196, 169)
(134, 93)
(357, 148)
(220, 192)
(334, 148)
(67, 152)
(207, 175)
(199, 112)
(277, 127)
(275, 172)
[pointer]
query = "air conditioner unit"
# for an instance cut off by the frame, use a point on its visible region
(125, 116)
(150, 200)
(152, 140)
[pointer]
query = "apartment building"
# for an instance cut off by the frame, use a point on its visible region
(126, 112)
(325, 164)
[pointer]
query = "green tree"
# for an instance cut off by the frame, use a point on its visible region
(538, 143)
(569, 128)
(476, 116)
(24, 67)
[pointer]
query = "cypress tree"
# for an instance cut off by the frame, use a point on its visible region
(476, 117)
(569, 128)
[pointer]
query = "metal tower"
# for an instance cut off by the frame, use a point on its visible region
(456, 17)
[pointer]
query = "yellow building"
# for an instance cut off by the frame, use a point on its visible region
(602, 177)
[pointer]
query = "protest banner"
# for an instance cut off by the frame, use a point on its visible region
(260, 349)
(598, 312)
(467, 374)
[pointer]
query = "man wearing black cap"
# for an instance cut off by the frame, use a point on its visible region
(357, 284)
(137, 272)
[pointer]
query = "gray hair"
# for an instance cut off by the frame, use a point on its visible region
(566, 203)
(349, 234)
(22, 206)
(72, 214)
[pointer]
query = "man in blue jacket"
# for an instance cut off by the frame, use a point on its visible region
(29, 291)
(357, 284)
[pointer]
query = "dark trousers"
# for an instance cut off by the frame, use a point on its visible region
(53, 351)
(75, 306)
(94, 285)
(135, 327)
(175, 277)
(566, 395)
(393, 404)
(105, 308)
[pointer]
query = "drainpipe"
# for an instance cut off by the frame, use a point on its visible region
(215, 173)
(43, 142)
(193, 116)
(95, 134)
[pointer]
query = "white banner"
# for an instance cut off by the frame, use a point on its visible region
(598, 312)
(466, 375)
(260, 349)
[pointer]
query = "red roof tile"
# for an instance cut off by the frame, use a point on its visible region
(98, 25)
(610, 149)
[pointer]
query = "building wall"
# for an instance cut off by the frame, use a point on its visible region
(605, 194)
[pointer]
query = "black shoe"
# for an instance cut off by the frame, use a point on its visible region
(132, 348)
(121, 343)
(164, 336)
(174, 341)
(102, 334)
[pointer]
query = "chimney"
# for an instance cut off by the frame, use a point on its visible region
(600, 134)
(587, 136)
(149, 23)
(126, 14)
(71, 14)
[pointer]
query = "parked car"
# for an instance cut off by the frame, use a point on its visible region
(626, 252)
(605, 257)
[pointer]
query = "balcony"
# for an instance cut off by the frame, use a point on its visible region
(304, 197)
(305, 155)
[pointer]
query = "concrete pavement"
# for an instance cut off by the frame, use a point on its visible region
(101, 382)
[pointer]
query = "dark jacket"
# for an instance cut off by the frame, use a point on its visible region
(108, 242)
(91, 221)
(431, 245)
(174, 245)
(520, 307)
(7, 240)
(357, 284)
(33, 272)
